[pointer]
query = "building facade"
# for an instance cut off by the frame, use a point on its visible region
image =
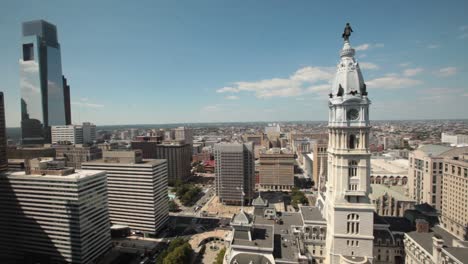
(137, 190)
(3, 136)
(234, 172)
(74, 134)
(52, 214)
(75, 154)
(454, 213)
(185, 134)
(320, 161)
(41, 83)
(426, 171)
(276, 170)
(177, 153)
(66, 96)
(454, 139)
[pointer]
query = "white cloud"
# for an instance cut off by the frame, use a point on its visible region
(392, 82)
(463, 28)
(294, 85)
(368, 66)
(412, 71)
(448, 71)
(88, 105)
(463, 36)
(362, 55)
(362, 47)
(367, 46)
(433, 46)
(404, 64)
(227, 90)
(232, 97)
(465, 95)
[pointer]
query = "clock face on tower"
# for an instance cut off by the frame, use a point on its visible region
(352, 114)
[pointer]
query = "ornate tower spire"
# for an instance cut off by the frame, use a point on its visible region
(348, 210)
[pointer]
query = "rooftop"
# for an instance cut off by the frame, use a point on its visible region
(143, 163)
(388, 166)
(377, 190)
(311, 214)
(78, 174)
(433, 150)
(425, 239)
(262, 236)
(461, 254)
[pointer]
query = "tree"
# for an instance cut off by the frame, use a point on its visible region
(220, 256)
(173, 207)
(179, 255)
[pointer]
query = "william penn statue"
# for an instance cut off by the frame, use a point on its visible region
(347, 32)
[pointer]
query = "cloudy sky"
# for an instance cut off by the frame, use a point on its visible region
(202, 61)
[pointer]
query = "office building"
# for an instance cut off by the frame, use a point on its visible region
(75, 154)
(234, 172)
(66, 96)
(41, 83)
(454, 209)
(426, 171)
(3, 140)
(177, 153)
(137, 189)
(454, 139)
(276, 170)
(53, 214)
(74, 134)
(183, 133)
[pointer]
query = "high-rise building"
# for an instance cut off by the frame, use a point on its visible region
(185, 134)
(177, 153)
(347, 207)
(41, 83)
(75, 134)
(276, 170)
(137, 189)
(454, 211)
(235, 172)
(75, 154)
(3, 140)
(426, 171)
(66, 98)
(52, 214)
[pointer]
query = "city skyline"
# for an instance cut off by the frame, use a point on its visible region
(267, 61)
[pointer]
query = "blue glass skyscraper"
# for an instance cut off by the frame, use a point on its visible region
(42, 90)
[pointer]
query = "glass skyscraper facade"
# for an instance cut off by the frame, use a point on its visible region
(41, 83)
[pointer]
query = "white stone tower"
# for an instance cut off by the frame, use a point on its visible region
(347, 207)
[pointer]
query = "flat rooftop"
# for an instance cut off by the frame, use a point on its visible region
(389, 166)
(425, 239)
(311, 214)
(78, 174)
(144, 162)
(397, 192)
(262, 236)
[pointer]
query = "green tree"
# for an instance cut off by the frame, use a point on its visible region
(220, 256)
(179, 255)
(173, 207)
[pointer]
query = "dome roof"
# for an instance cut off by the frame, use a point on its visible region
(348, 79)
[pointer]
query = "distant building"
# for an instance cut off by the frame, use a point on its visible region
(74, 134)
(3, 137)
(273, 129)
(389, 171)
(42, 223)
(177, 153)
(14, 152)
(137, 189)
(276, 171)
(183, 133)
(235, 172)
(454, 209)
(66, 95)
(40, 68)
(426, 171)
(454, 139)
(75, 154)
(257, 140)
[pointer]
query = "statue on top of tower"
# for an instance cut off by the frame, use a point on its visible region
(347, 32)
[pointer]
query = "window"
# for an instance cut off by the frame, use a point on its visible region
(352, 141)
(28, 52)
(352, 172)
(353, 224)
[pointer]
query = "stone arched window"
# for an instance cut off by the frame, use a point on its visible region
(352, 226)
(352, 173)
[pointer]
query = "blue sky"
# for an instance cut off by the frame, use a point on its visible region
(143, 62)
